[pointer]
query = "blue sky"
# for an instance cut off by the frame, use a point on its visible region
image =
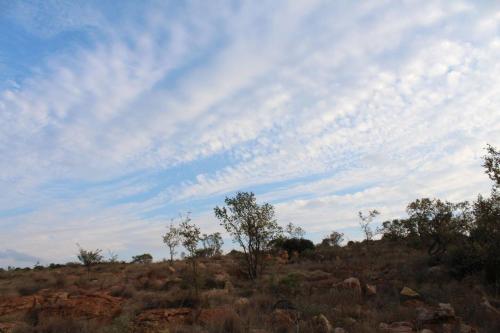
(116, 116)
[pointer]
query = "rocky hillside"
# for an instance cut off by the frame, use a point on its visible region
(373, 286)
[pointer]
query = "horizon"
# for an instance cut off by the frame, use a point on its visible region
(117, 117)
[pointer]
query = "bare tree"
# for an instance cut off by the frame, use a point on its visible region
(251, 225)
(294, 231)
(334, 239)
(172, 239)
(366, 221)
(212, 244)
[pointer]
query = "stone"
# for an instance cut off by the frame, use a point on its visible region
(321, 324)
(408, 292)
(353, 284)
(371, 290)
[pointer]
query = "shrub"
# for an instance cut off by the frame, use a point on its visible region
(144, 258)
(296, 245)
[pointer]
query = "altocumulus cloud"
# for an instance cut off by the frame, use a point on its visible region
(130, 115)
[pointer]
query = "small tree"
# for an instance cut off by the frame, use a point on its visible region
(334, 239)
(144, 258)
(89, 257)
(294, 231)
(190, 236)
(212, 244)
(172, 239)
(366, 221)
(251, 225)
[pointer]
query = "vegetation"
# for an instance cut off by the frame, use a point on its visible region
(252, 227)
(172, 239)
(89, 257)
(144, 258)
(190, 236)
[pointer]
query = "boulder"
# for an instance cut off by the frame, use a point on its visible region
(321, 324)
(371, 290)
(353, 284)
(409, 293)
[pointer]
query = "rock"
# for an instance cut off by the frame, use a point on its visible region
(321, 324)
(22, 304)
(8, 327)
(371, 290)
(396, 327)
(98, 306)
(242, 301)
(408, 292)
(352, 283)
(339, 330)
(443, 313)
(161, 317)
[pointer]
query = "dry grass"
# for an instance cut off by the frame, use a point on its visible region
(307, 284)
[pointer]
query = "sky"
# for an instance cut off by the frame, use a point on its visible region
(116, 116)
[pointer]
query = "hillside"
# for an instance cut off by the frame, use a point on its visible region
(370, 286)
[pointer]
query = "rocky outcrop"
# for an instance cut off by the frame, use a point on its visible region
(99, 306)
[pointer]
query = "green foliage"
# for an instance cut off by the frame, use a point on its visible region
(89, 257)
(251, 225)
(294, 245)
(144, 258)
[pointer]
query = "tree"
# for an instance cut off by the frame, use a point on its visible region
(366, 221)
(172, 239)
(144, 258)
(294, 231)
(492, 165)
(212, 244)
(251, 225)
(334, 239)
(89, 257)
(190, 236)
